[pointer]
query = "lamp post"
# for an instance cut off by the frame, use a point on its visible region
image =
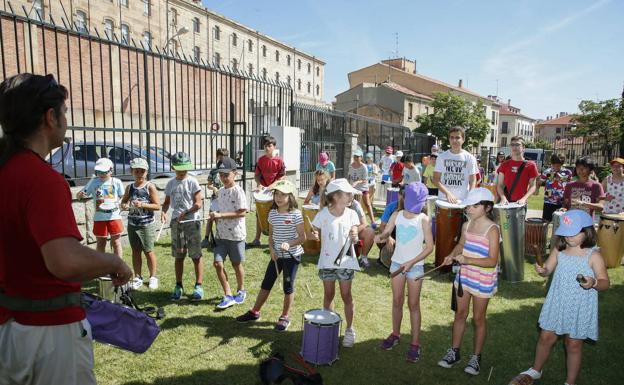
(179, 32)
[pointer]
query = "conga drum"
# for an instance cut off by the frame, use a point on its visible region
(310, 247)
(321, 332)
(611, 238)
(449, 219)
(392, 195)
(510, 218)
(535, 236)
(264, 201)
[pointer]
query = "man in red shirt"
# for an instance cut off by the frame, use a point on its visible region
(44, 336)
(396, 169)
(510, 169)
(269, 168)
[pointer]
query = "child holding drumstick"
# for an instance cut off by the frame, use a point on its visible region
(477, 254)
(413, 227)
(571, 306)
(286, 235)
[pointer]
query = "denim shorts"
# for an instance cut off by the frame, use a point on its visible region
(226, 248)
(413, 273)
(336, 274)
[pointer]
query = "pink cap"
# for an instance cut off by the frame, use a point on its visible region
(389, 149)
(323, 158)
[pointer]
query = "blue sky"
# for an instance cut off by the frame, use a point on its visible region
(547, 55)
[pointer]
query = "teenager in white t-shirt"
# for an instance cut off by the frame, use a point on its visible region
(456, 169)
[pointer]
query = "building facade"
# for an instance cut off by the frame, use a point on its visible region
(556, 128)
(403, 73)
(514, 123)
(191, 31)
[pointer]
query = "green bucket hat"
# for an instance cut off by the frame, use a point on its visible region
(180, 161)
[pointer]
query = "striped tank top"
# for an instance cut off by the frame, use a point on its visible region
(140, 217)
(479, 281)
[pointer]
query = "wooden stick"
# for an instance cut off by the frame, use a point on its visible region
(490, 375)
(420, 276)
(277, 272)
(162, 224)
(308, 289)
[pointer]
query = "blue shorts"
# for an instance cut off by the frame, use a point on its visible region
(234, 249)
(413, 273)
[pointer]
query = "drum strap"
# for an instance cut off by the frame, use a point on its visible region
(35, 305)
(509, 193)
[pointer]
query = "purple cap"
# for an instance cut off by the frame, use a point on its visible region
(415, 197)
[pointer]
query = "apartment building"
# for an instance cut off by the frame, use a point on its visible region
(514, 123)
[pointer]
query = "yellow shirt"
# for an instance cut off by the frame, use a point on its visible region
(429, 175)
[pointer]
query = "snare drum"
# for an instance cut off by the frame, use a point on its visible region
(535, 236)
(510, 218)
(264, 201)
(106, 290)
(449, 219)
(310, 247)
(392, 195)
(611, 238)
(321, 332)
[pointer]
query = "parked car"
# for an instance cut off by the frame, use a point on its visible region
(76, 160)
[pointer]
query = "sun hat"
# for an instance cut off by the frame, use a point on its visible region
(341, 184)
(180, 161)
(399, 154)
(572, 222)
(478, 195)
(414, 197)
(369, 155)
(617, 160)
(285, 186)
(139, 163)
(358, 152)
(227, 165)
(323, 158)
(389, 149)
(103, 165)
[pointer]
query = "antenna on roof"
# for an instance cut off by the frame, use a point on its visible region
(396, 44)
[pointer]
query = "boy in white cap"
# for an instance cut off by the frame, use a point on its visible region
(396, 170)
(106, 192)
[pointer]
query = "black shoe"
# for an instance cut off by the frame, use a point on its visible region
(248, 317)
(450, 358)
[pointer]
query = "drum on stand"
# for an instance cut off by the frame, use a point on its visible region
(264, 201)
(321, 332)
(535, 236)
(310, 247)
(392, 195)
(510, 218)
(449, 219)
(611, 238)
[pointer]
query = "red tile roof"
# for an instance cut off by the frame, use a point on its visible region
(563, 120)
(405, 90)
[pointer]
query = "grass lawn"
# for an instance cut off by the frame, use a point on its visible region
(198, 345)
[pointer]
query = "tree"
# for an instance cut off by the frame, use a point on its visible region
(539, 143)
(451, 110)
(600, 122)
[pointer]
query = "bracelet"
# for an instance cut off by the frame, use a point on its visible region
(595, 283)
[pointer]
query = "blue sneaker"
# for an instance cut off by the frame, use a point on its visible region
(226, 302)
(240, 296)
(177, 293)
(198, 293)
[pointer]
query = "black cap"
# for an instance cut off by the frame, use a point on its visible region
(227, 164)
(500, 153)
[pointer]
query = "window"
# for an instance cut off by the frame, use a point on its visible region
(309, 87)
(492, 135)
(264, 51)
(249, 45)
(493, 117)
(410, 111)
(505, 128)
(147, 40)
(147, 9)
(217, 32)
(318, 90)
(174, 16)
(124, 3)
(558, 130)
(196, 24)
(234, 39)
(288, 80)
(38, 8)
(427, 110)
(504, 141)
(264, 73)
(250, 69)
(318, 71)
(277, 56)
(299, 84)
(235, 65)
(288, 60)
(196, 53)
(277, 78)
(217, 59)
(125, 33)
(81, 21)
(108, 28)
(299, 64)
(309, 68)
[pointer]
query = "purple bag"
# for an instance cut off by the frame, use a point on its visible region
(119, 325)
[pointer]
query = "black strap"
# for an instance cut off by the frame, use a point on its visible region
(37, 305)
(509, 193)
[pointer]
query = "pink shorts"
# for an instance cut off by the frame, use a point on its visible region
(102, 229)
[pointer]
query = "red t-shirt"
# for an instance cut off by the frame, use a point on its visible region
(397, 170)
(36, 205)
(509, 169)
(270, 169)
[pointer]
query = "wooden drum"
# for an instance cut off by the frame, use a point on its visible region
(310, 247)
(611, 238)
(449, 218)
(264, 201)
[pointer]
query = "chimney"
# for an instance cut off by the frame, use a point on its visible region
(461, 83)
(557, 115)
(509, 102)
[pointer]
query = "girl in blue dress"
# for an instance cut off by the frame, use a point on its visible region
(571, 306)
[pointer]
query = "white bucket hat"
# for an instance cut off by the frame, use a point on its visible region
(103, 165)
(478, 195)
(341, 184)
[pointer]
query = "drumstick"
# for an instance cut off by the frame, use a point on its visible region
(428, 272)
(490, 375)
(308, 289)
(162, 224)
(277, 272)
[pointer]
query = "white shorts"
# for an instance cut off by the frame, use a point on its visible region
(38, 355)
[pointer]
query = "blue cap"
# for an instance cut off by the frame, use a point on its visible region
(572, 222)
(358, 152)
(415, 197)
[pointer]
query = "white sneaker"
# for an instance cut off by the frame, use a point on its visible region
(137, 282)
(153, 283)
(349, 338)
(534, 374)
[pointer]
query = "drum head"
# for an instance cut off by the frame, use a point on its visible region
(311, 207)
(107, 206)
(508, 206)
(321, 317)
(394, 189)
(447, 205)
(263, 196)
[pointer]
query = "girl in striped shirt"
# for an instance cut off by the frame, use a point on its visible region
(477, 254)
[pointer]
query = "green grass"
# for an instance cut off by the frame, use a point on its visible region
(198, 345)
(536, 202)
